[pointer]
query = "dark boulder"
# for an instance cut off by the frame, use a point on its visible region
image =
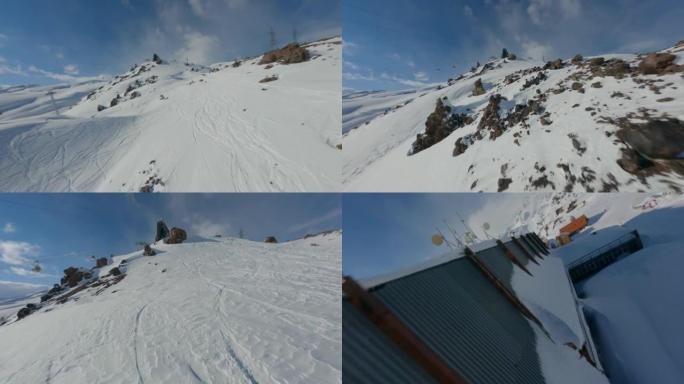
(162, 231)
(289, 54)
(655, 139)
(101, 108)
(176, 236)
(270, 239)
(478, 88)
(577, 59)
(23, 313)
(115, 271)
(555, 64)
(596, 61)
(439, 125)
(73, 276)
(101, 262)
(491, 121)
(658, 64)
(148, 251)
(157, 59)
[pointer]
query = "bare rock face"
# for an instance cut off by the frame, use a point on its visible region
(439, 124)
(162, 231)
(555, 64)
(270, 239)
(176, 236)
(656, 139)
(289, 54)
(101, 262)
(73, 276)
(658, 64)
(577, 59)
(491, 121)
(478, 88)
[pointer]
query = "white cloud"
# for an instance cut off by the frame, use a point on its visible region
(27, 272)
(536, 50)
(351, 65)
(64, 77)
(9, 70)
(421, 76)
(13, 289)
(208, 228)
(199, 48)
(71, 69)
(358, 76)
(307, 225)
(407, 82)
(3, 40)
(468, 11)
(9, 228)
(59, 55)
(197, 7)
(543, 12)
(17, 252)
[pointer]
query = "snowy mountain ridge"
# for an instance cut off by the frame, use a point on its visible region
(221, 310)
(168, 126)
(605, 123)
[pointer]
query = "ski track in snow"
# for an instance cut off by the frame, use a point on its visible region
(228, 311)
(217, 129)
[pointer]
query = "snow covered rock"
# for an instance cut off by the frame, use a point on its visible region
(552, 124)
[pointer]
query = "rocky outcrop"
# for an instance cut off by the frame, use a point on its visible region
(101, 262)
(478, 88)
(439, 124)
(162, 231)
(270, 239)
(176, 236)
(655, 139)
(289, 54)
(157, 59)
(659, 64)
(555, 64)
(491, 121)
(73, 276)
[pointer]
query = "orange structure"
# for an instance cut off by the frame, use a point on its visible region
(575, 225)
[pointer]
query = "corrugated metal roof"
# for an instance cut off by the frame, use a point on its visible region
(368, 356)
(458, 313)
(462, 317)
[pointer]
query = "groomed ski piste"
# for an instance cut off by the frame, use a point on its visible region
(222, 310)
(167, 126)
(565, 125)
(634, 305)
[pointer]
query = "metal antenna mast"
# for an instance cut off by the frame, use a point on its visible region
(272, 37)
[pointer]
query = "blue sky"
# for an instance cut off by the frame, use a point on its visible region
(385, 233)
(59, 230)
(48, 41)
(415, 43)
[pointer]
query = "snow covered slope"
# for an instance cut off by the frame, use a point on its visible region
(557, 126)
(168, 126)
(223, 311)
(634, 305)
